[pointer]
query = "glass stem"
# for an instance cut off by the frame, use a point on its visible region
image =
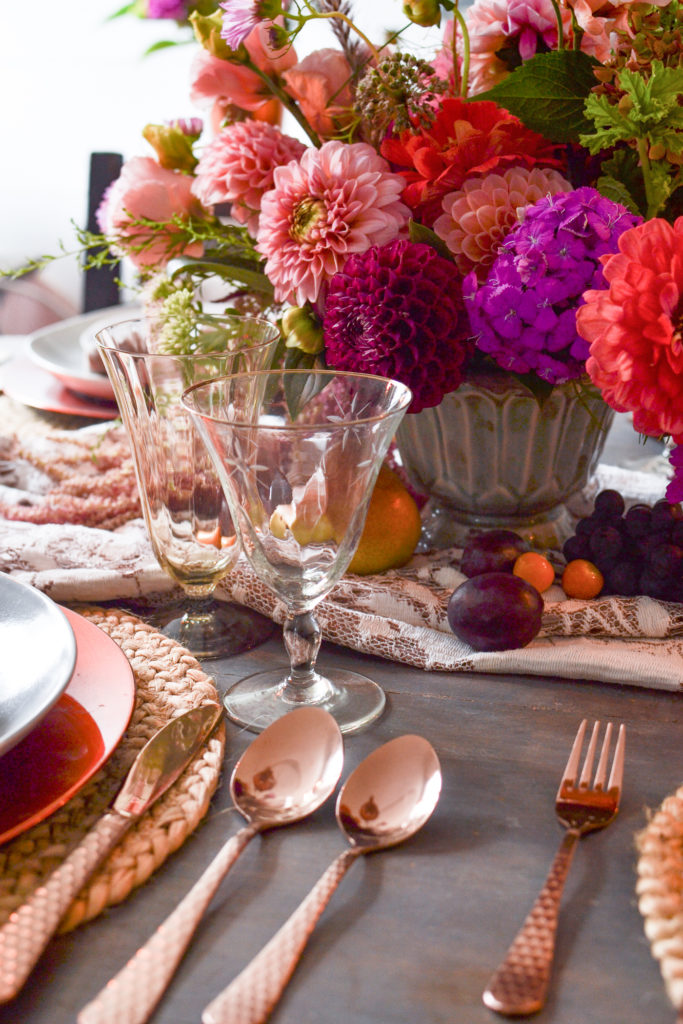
(302, 638)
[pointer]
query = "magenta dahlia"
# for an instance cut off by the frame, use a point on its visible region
(397, 311)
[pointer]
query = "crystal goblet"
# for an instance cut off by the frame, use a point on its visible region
(182, 500)
(297, 453)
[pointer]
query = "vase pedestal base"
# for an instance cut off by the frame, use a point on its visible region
(445, 527)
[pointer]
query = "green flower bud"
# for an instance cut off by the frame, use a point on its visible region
(302, 329)
(172, 145)
(207, 30)
(423, 12)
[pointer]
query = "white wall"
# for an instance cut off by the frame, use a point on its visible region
(73, 82)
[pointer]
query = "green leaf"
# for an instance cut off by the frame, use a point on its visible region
(547, 93)
(612, 188)
(234, 271)
(421, 233)
(163, 44)
(131, 8)
(540, 389)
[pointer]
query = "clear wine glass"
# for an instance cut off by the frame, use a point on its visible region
(297, 453)
(182, 500)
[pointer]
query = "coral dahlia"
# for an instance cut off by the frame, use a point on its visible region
(464, 139)
(634, 325)
(237, 167)
(479, 215)
(524, 315)
(336, 201)
(396, 310)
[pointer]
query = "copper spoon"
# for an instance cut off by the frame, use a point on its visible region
(286, 773)
(385, 800)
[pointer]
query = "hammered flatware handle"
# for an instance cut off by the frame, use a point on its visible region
(520, 984)
(250, 998)
(132, 994)
(29, 929)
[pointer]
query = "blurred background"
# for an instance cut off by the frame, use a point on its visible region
(75, 81)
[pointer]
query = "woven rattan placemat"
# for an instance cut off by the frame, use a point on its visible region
(660, 892)
(168, 681)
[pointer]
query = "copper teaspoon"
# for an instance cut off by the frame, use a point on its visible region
(385, 800)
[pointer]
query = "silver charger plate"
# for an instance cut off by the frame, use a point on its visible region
(37, 658)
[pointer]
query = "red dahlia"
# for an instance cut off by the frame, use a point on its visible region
(464, 139)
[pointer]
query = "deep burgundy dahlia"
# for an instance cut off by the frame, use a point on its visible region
(396, 310)
(524, 314)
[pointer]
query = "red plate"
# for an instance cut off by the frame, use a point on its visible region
(74, 739)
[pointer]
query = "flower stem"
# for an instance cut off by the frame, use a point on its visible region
(457, 16)
(560, 28)
(650, 197)
(340, 16)
(285, 100)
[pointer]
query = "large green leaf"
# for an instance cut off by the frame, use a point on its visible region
(548, 92)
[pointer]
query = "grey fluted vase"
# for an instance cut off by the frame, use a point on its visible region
(490, 455)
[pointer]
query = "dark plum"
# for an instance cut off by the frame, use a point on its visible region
(495, 611)
(491, 551)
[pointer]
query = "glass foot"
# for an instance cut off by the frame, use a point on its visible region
(353, 700)
(219, 630)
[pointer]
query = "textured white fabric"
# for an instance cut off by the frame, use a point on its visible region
(399, 615)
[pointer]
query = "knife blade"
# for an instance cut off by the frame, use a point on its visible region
(163, 758)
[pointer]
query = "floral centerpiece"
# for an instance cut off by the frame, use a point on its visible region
(514, 202)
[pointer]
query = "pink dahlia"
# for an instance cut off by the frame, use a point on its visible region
(635, 327)
(145, 191)
(237, 167)
(397, 311)
(336, 201)
(479, 215)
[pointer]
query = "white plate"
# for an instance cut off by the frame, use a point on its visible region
(59, 350)
(38, 658)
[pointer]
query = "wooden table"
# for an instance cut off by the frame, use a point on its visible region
(413, 933)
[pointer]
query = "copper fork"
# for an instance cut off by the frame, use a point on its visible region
(519, 985)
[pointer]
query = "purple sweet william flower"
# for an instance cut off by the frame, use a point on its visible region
(176, 10)
(396, 310)
(524, 314)
(674, 492)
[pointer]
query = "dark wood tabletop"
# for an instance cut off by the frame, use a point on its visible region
(413, 933)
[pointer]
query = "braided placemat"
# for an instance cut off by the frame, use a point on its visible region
(660, 892)
(168, 681)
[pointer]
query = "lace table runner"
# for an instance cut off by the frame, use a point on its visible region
(69, 525)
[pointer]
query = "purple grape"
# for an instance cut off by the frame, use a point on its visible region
(577, 546)
(623, 578)
(664, 516)
(491, 551)
(609, 503)
(666, 561)
(605, 542)
(585, 526)
(637, 520)
(496, 611)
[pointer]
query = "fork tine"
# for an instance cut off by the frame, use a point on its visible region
(601, 773)
(572, 769)
(585, 780)
(617, 773)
